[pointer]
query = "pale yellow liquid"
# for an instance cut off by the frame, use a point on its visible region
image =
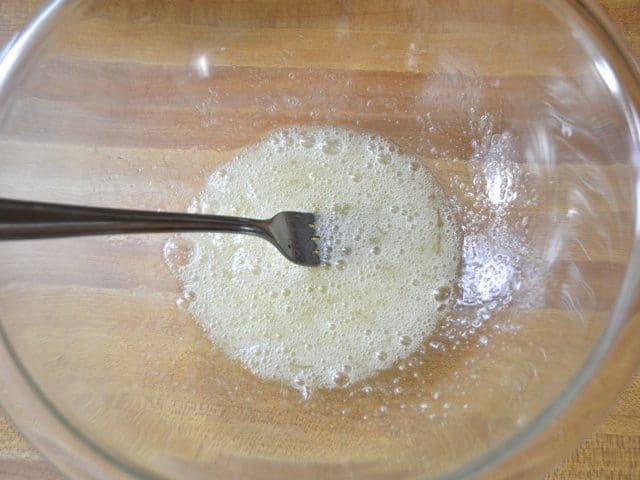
(388, 232)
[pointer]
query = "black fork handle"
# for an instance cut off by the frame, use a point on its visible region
(21, 220)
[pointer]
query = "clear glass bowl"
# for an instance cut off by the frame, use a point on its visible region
(526, 111)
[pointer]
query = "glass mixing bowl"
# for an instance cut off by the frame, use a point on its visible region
(527, 113)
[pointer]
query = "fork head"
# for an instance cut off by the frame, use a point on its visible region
(294, 234)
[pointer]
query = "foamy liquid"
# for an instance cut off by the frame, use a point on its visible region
(390, 238)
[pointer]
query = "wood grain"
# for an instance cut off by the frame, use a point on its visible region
(613, 452)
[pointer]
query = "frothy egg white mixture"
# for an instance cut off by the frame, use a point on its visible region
(389, 235)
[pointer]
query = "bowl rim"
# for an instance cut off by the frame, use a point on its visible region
(78, 456)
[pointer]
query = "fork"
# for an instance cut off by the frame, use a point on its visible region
(292, 233)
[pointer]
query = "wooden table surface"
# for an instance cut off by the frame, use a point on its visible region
(612, 452)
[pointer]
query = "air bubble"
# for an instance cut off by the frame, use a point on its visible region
(332, 146)
(177, 251)
(189, 295)
(382, 356)
(340, 379)
(383, 158)
(183, 303)
(442, 294)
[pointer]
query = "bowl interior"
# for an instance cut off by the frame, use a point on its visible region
(514, 109)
